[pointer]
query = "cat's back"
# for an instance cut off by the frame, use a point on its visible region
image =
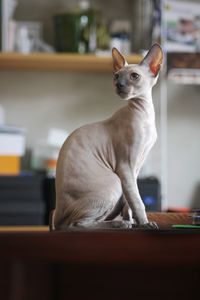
(88, 144)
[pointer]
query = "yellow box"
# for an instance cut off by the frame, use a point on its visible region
(9, 165)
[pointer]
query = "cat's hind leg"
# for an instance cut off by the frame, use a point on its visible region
(113, 224)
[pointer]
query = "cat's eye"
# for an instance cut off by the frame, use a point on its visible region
(116, 76)
(135, 76)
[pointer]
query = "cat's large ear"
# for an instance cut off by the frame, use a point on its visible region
(118, 60)
(154, 59)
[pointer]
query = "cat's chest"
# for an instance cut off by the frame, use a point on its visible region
(148, 132)
(143, 130)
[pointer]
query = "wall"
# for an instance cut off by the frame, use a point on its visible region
(183, 145)
(39, 101)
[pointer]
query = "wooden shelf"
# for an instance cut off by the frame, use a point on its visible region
(24, 228)
(59, 62)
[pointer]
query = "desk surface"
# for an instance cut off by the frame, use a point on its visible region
(114, 264)
(161, 247)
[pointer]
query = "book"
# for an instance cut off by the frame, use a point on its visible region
(12, 148)
(22, 200)
(9, 165)
(12, 141)
(4, 11)
(22, 188)
(7, 25)
(0, 25)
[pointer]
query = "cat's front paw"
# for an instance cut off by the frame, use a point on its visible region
(149, 225)
(152, 225)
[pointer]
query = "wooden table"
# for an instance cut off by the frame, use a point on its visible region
(113, 264)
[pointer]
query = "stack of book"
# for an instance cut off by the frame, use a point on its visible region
(7, 8)
(12, 148)
(22, 200)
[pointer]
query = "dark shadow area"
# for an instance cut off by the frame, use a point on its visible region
(195, 203)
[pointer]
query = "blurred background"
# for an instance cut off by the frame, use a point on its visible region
(56, 75)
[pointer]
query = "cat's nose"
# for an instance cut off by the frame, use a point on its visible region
(120, 85)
